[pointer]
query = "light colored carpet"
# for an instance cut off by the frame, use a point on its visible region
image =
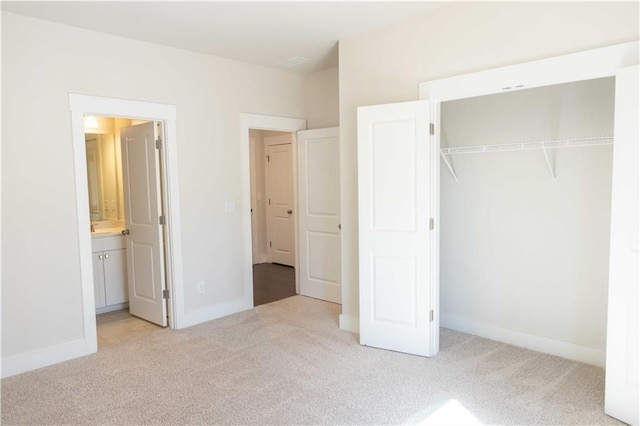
(288, 363)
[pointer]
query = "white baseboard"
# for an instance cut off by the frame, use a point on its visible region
(261, 258)
(349, 323)
(111, 308)
(525, 340)
(214, 312)
(29, 361)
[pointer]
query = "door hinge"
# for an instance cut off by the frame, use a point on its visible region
(269, 201)
(158, 144)
(339, 226)
(432, 129)
(162, 220)
(165, 294)
(431, 223)
(268, 159)
(269, 243)
(431, 315)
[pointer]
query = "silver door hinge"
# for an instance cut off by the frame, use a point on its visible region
(432, 129)
(165, 294)
(431, 315)
(162, 220)
(158, 144)
(431, 223)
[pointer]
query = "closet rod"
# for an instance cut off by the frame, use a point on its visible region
(564, 143)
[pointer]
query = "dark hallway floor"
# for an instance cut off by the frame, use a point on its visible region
(272, 282)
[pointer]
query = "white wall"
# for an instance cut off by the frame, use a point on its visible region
(42, 63)
(386, 65)
(321, 99)
(518, 251)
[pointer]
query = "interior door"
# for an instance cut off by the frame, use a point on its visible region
(395, 189)
(319, 218)
(145, 254)
(281, 229)
(621, 385)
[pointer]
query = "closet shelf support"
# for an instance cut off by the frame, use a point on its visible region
(549, 167)
(449, 166)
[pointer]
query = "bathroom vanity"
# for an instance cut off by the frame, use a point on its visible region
(109, 270)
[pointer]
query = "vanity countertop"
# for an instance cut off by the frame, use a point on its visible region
(107, 232)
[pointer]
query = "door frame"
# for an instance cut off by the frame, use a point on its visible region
(585, 65)
(80, 105)
(273, 123)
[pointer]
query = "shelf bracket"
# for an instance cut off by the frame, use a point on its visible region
(449, 166)
(549, 166)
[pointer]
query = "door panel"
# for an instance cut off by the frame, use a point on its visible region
(394, 202)
(280, 209)
(319, 219)
(115, 276)
(145, 255)
(98, 280)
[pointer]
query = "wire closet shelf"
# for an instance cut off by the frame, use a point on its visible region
(524, 146)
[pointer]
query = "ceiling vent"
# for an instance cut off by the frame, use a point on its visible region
(292, 62)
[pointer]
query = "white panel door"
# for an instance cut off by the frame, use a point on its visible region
(145, 254)
(281, 226)
(621, 386)
(394, 201)
(319, 218)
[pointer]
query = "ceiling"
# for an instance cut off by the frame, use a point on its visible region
(262, 32)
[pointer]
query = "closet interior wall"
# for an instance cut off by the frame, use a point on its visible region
(520, 252)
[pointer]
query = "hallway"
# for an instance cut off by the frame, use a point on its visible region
(272, 282)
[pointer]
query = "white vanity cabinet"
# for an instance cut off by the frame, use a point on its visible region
(109, 272)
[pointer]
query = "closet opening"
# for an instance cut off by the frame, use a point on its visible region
(525, 207)
(273, 215)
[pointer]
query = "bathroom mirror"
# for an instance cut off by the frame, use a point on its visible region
(102, 176)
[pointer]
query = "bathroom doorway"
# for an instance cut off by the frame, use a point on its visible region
(124, 175)
(159, 139)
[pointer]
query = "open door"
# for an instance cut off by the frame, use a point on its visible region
(145, 254)
(621, 386)
(396, 236)
(319, 219)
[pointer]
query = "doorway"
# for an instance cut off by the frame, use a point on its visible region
(273, 215)
(124, 176)
(81, 106)
(266, 123)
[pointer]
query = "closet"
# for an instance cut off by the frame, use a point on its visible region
(525, 202)
(505, 204)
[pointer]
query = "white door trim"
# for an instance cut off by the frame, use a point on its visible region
(587, 65)
(80, 105)
(262, 122)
